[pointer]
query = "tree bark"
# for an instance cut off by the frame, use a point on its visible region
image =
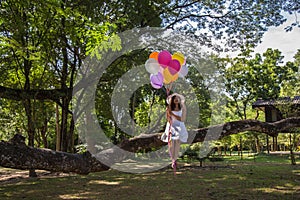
(58, 136)
(257, 144)
(15, 154)
(71, 136)
(64, 125)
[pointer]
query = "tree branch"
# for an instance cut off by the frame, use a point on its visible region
(39, 94)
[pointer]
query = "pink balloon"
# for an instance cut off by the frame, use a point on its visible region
(157, 80)
(164, 58)
(174, 66)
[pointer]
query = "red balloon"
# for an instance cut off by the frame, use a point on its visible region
(174, 66)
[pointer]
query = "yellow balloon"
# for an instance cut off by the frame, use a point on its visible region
(178, 56)
(167, 76)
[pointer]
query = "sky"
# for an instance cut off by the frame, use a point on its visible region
(278, 38)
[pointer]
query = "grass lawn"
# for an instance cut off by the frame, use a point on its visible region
(266, 177)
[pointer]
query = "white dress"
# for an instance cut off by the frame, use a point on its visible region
(178, 129)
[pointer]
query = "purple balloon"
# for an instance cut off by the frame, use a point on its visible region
(157, 80)
(164, 58)
(174, 66)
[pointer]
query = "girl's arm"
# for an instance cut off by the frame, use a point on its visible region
(168, 113)
(183, 117)
(176, 116)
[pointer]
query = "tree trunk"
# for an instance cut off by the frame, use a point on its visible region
(257, 144)
(28, 105)
(64, 125)
(71, 136)
(241, 148)
(273, 143)
(44, 132)
(268, 145)
(58, 135)
(65, 100)
(30, 130)
(293, 160)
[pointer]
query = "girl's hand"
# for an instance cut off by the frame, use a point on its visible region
(182, 105)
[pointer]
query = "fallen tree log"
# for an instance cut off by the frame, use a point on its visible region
(16, 154)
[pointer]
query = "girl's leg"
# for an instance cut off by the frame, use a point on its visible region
(175, 147)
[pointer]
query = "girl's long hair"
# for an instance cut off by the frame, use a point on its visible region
(172, 104)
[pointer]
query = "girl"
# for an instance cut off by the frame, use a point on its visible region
(175, 131)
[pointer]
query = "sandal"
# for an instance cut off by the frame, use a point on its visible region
(174, 164)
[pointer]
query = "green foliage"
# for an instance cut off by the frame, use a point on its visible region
(261, 76)
(250, 77)
(11, 119)
(203, 96)
(81, 148)
(237, 22)
(291, 86)
(148, 109)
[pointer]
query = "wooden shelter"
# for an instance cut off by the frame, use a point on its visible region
(278, 109)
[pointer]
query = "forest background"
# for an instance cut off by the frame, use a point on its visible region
(44, 44)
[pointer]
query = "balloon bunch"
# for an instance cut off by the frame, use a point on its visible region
(165, 68)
